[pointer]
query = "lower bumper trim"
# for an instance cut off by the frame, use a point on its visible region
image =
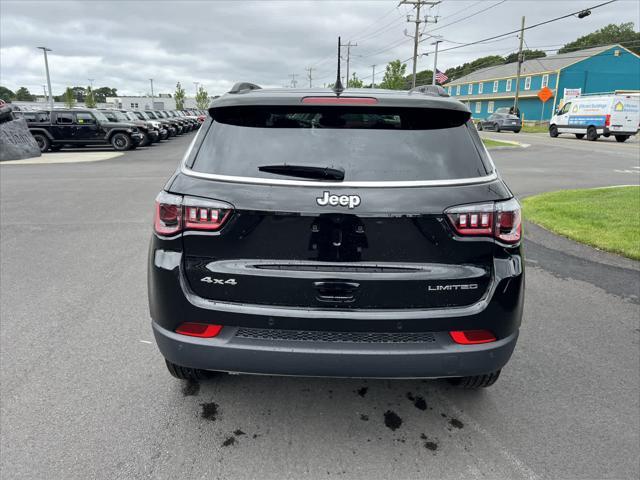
(229, 353)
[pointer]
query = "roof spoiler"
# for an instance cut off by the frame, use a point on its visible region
(244, 87)
(434, 90)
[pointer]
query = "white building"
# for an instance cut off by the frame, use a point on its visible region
(161, 102)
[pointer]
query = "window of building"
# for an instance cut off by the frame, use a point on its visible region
(490, 106)
(495, 86)
(458, 90)
(480, 87)
(545, 80)
(134, 105)
(470, 89)
(616, 53)
(527, 83)
(478, 107)
(508, 88)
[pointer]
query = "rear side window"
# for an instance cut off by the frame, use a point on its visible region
(368, 144)
(64, 118)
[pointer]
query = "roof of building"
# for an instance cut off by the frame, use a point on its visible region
(551, 63)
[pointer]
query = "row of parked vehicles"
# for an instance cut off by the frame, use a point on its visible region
(122, 129)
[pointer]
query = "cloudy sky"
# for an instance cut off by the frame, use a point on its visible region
(122, 43)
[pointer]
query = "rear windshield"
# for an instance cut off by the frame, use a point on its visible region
(368, 144)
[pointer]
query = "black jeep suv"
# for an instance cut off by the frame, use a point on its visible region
(80, 127)
(149, 134)
(366, 234)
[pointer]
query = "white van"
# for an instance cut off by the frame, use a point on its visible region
(617, 115)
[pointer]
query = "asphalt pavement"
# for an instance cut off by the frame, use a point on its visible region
(85, 394)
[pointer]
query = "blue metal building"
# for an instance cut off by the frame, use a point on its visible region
(595, 70)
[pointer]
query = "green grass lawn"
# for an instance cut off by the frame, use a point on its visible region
(535, 128)
(605, 218)
(495, 143)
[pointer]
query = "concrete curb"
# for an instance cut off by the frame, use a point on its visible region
(537, 234)
(65, 157)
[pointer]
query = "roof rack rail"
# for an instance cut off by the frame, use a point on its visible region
(244, 87)
(435, 90)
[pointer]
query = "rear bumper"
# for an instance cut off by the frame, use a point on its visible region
(436, 359)
(511, 128)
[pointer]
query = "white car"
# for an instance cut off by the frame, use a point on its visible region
(617, 115)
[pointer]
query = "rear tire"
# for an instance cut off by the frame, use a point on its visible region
(44, 144)
(553, 131)
(516, 131)
(476, 381)
(497, 127)
(592, 134)
(621, 138)
(579, 136)
(121, 142)
(186, 373)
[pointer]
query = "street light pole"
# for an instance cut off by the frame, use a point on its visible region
(151, 80)
(520, 60)
(435, 62)
(46, 67)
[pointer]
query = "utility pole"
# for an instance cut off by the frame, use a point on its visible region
(520, 60)
(373, 76)
(349, 45)
(310, 76)
(46, 67)
(294, 82)
(416, 37)
(151, 80)
(196, 84)
(435, 62)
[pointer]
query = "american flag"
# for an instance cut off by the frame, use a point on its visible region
(441, 77)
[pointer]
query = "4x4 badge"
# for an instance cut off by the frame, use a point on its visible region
(350, 201)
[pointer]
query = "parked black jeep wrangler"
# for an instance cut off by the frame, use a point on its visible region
(149, 134)
(80, 127)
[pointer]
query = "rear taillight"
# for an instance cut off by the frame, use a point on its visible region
(168, 218)
(175, 214)
(501, 220)
(202, 330)
(472, 337)
(607, 121)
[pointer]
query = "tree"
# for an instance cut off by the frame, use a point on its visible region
(394, 76)
(612, 33)
(179, 96)
(526, 55)
(79, 93)
(422, 78)
(355, 82)
(202, 98)
(69, 97)
(90, 99)
(470, 67)
(24, 95)
(6, 94)
(101, 94)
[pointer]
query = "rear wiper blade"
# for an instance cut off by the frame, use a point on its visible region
(304, 171)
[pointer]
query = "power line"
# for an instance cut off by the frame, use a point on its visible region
(360, 32)
(468, 16)
(529, 27)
